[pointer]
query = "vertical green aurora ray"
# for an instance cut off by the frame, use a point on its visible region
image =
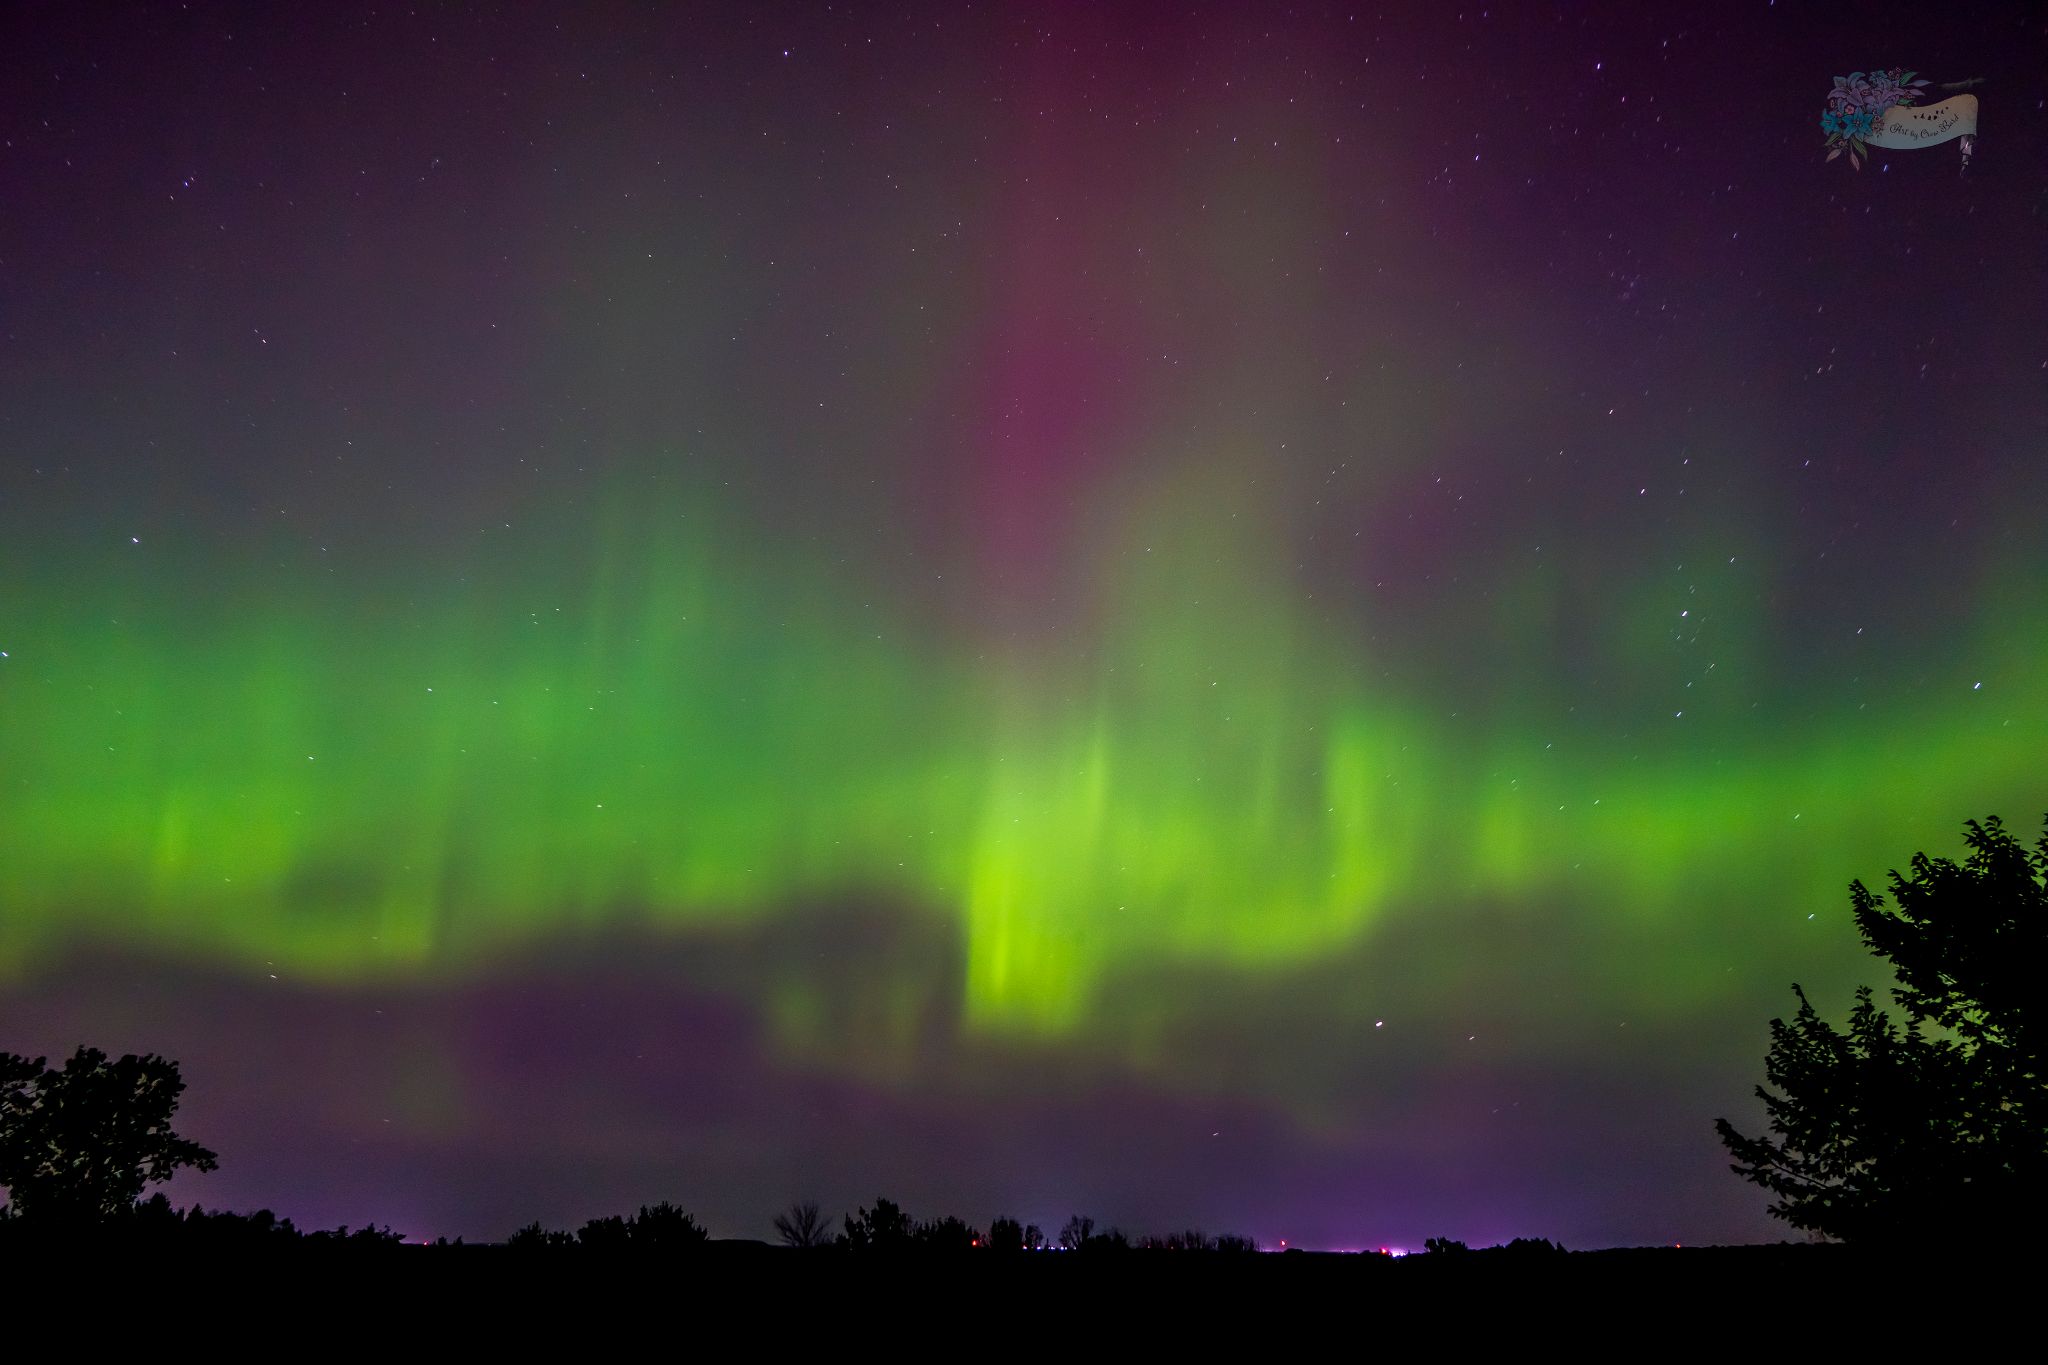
(420, 775)
(656, 717)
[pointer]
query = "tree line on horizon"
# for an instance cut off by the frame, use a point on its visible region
(1937, 1129)
(79, 1144)
(882, 1227)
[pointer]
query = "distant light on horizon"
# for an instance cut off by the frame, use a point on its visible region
(996, 598)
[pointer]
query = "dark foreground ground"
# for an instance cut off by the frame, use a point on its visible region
(739, 1300)
(1023, 1276)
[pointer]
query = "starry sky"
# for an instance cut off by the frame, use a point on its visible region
(1278, 618)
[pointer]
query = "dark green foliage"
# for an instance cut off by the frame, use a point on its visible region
(78, 1145)
(1935, 1129)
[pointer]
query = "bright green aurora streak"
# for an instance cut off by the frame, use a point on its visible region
(417, 777)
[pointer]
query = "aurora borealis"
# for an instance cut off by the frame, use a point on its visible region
(1284, 620)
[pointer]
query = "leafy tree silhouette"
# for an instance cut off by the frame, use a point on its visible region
(802, 1226)
(1936, 1129)
(884, 1228)
(362, 1237)
(78, 1145)
(665, 1227)
(154, 1221)
(947, 1234)
(1523, 1247)
(1006, 1234)
(534, 1237)
(1194, 1239)
(605, 1234)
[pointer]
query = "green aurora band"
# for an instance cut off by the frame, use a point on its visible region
(257, 766)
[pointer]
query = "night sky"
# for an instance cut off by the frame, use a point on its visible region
(1289, 621)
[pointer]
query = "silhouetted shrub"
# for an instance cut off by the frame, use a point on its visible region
(604, 1234)
(665, 1227)
(1938, 1131)
(885, 1227)
(946, 1234)
(1531, 1246)
(534, 1237)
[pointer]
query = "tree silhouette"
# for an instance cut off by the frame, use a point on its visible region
(1006, 1234)
(1936, 1129)
(78, 1145)
(1524, 1247)
(361, 1237)
(665, 1227)
(947, 1234)
(605, 1234)
(802, 1226)
(534, 1237)
(1079, 1234)
(884, 1228)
